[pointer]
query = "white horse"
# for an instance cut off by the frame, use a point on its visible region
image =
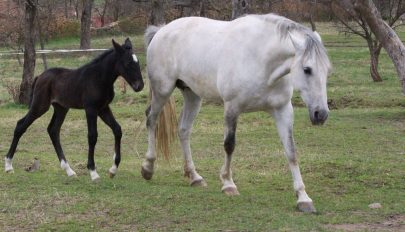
(252, 63)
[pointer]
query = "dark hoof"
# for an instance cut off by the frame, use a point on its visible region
(199, 183)
(147, 175)
(306, 207)
(230, 191)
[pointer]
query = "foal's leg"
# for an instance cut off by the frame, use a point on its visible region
(284, 120)
(91, 115)
(231, 117)
(157, 103)
(57, 120)
(37, 109)
(108, 118)
(192, 104)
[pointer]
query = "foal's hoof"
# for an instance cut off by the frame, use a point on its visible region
(146, 174)
(199, 183)
(110, 174)
(231, 191)
(306, 207)
(94, 176)
(9, 170)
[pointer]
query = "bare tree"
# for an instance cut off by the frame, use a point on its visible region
(85, 33)
(101, 11)
(385, 33)
(240, 7)
(29, 51)
(192, 7)
(353, 21)
(157, 13)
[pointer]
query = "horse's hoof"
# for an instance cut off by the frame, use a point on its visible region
(231, 191)
(9, 171)
(72, 174)
(146, 174)
(199, 183)
(306, 207)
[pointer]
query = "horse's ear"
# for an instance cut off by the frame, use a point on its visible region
(318, 36)
(117, 47)
(298, 42)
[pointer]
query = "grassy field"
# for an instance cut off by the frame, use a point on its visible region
(356, 159)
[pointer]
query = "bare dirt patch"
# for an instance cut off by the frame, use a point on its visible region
(391, 223)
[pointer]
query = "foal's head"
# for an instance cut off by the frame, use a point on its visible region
(310, 71)
(127, 65)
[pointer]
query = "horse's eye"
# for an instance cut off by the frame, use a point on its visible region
(307, 70)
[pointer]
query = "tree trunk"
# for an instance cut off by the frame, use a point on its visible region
(240, 7)
(41, 37)
(374, 48)
(66, 9)
(385, 34)
(29, 51)
(85, 34)
(157, 15)
(374, 59)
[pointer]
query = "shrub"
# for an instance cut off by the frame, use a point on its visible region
(62, 27)
(13, 88)
(133, 25)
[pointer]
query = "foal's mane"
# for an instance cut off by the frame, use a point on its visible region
(99, 58)
(313, 47)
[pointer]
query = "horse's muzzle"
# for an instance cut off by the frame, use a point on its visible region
(318, 117)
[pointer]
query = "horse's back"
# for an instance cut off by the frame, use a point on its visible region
(206, 53)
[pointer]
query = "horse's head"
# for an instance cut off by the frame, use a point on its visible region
(127, 65)
(310, 72)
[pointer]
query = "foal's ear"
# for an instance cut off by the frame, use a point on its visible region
(117, 47)
(127, 44)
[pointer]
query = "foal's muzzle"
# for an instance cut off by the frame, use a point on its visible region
(318, 116)
(137, 86)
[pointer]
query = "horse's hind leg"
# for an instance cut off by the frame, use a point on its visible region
(284, 121)
(108, 118)
(57, 120)
(158, 101)
(37, 110)
(231, 117)
(192, 104)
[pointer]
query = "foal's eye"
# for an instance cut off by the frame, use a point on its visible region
(307, 70)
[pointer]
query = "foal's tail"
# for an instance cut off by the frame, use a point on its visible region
(32, 91)
(166, 128)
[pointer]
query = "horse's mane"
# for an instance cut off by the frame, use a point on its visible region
(312, 44)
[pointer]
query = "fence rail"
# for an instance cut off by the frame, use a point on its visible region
(46, 51)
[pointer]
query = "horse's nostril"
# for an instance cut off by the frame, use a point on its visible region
(316, 114)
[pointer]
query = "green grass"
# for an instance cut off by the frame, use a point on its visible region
(354, 160)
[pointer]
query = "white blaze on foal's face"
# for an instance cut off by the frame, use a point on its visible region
(135, 58)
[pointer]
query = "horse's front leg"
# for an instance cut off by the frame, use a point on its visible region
(91, 115)
(152, 114)
(108, 118)
(231, 117)
(284, 117)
